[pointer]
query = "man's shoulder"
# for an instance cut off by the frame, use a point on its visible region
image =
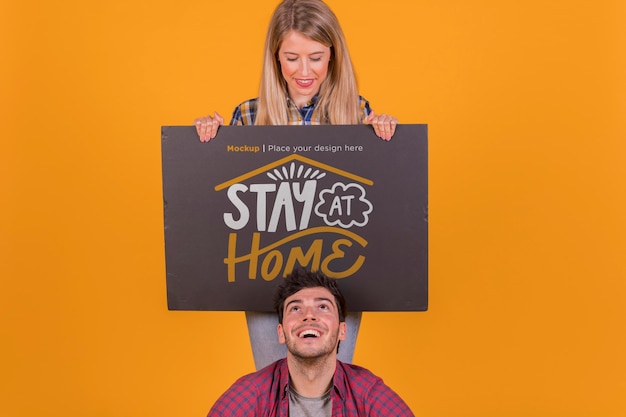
(369, 391)
(252, 392)
(352, 368)
(357, 372)
(262, 377)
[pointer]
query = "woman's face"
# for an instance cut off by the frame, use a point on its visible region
(304, 65)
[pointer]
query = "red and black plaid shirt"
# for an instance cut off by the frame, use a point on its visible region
(265, 393)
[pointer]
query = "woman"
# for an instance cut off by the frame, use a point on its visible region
(307, 76)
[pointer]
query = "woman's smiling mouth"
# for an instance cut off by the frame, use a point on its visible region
(304, 82)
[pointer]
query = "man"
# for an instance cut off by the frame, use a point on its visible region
(310, 381)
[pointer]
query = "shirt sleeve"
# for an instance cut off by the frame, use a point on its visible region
(236, 120)
(245, 113)
(382, 401)
(365, 108)
(238, 401)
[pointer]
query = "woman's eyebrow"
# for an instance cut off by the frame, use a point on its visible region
(295, 53)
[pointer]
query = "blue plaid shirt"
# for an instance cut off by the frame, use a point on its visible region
(245, 113)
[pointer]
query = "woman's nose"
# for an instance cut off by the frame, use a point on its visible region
(304, 67)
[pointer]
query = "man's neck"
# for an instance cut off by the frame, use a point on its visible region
(311, 378)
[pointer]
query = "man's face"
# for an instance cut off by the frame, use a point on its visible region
(311, 327)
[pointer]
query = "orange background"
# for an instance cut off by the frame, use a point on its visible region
(525, 102)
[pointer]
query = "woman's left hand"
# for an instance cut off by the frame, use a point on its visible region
(384, 125)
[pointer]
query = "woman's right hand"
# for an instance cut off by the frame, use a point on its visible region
(207, 126)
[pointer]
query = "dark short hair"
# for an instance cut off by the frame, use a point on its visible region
(302, 278)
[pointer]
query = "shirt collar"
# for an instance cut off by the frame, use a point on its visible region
(310, 103)
(339, 383)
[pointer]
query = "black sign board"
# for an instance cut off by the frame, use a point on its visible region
(244, 209)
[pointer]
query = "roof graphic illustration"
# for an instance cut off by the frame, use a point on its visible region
(286, 159)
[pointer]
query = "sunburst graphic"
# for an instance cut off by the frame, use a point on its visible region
(283, 173)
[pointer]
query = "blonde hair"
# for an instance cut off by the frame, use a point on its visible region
(338, 101)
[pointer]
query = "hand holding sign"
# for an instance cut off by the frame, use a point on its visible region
(384, 125)
(207, 126)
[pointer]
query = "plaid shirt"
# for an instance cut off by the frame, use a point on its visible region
(245, 113)
(356, 392)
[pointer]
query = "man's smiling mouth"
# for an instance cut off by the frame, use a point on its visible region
(309, 333)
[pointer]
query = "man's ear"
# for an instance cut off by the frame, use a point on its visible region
(342, 330)
(281, 334)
